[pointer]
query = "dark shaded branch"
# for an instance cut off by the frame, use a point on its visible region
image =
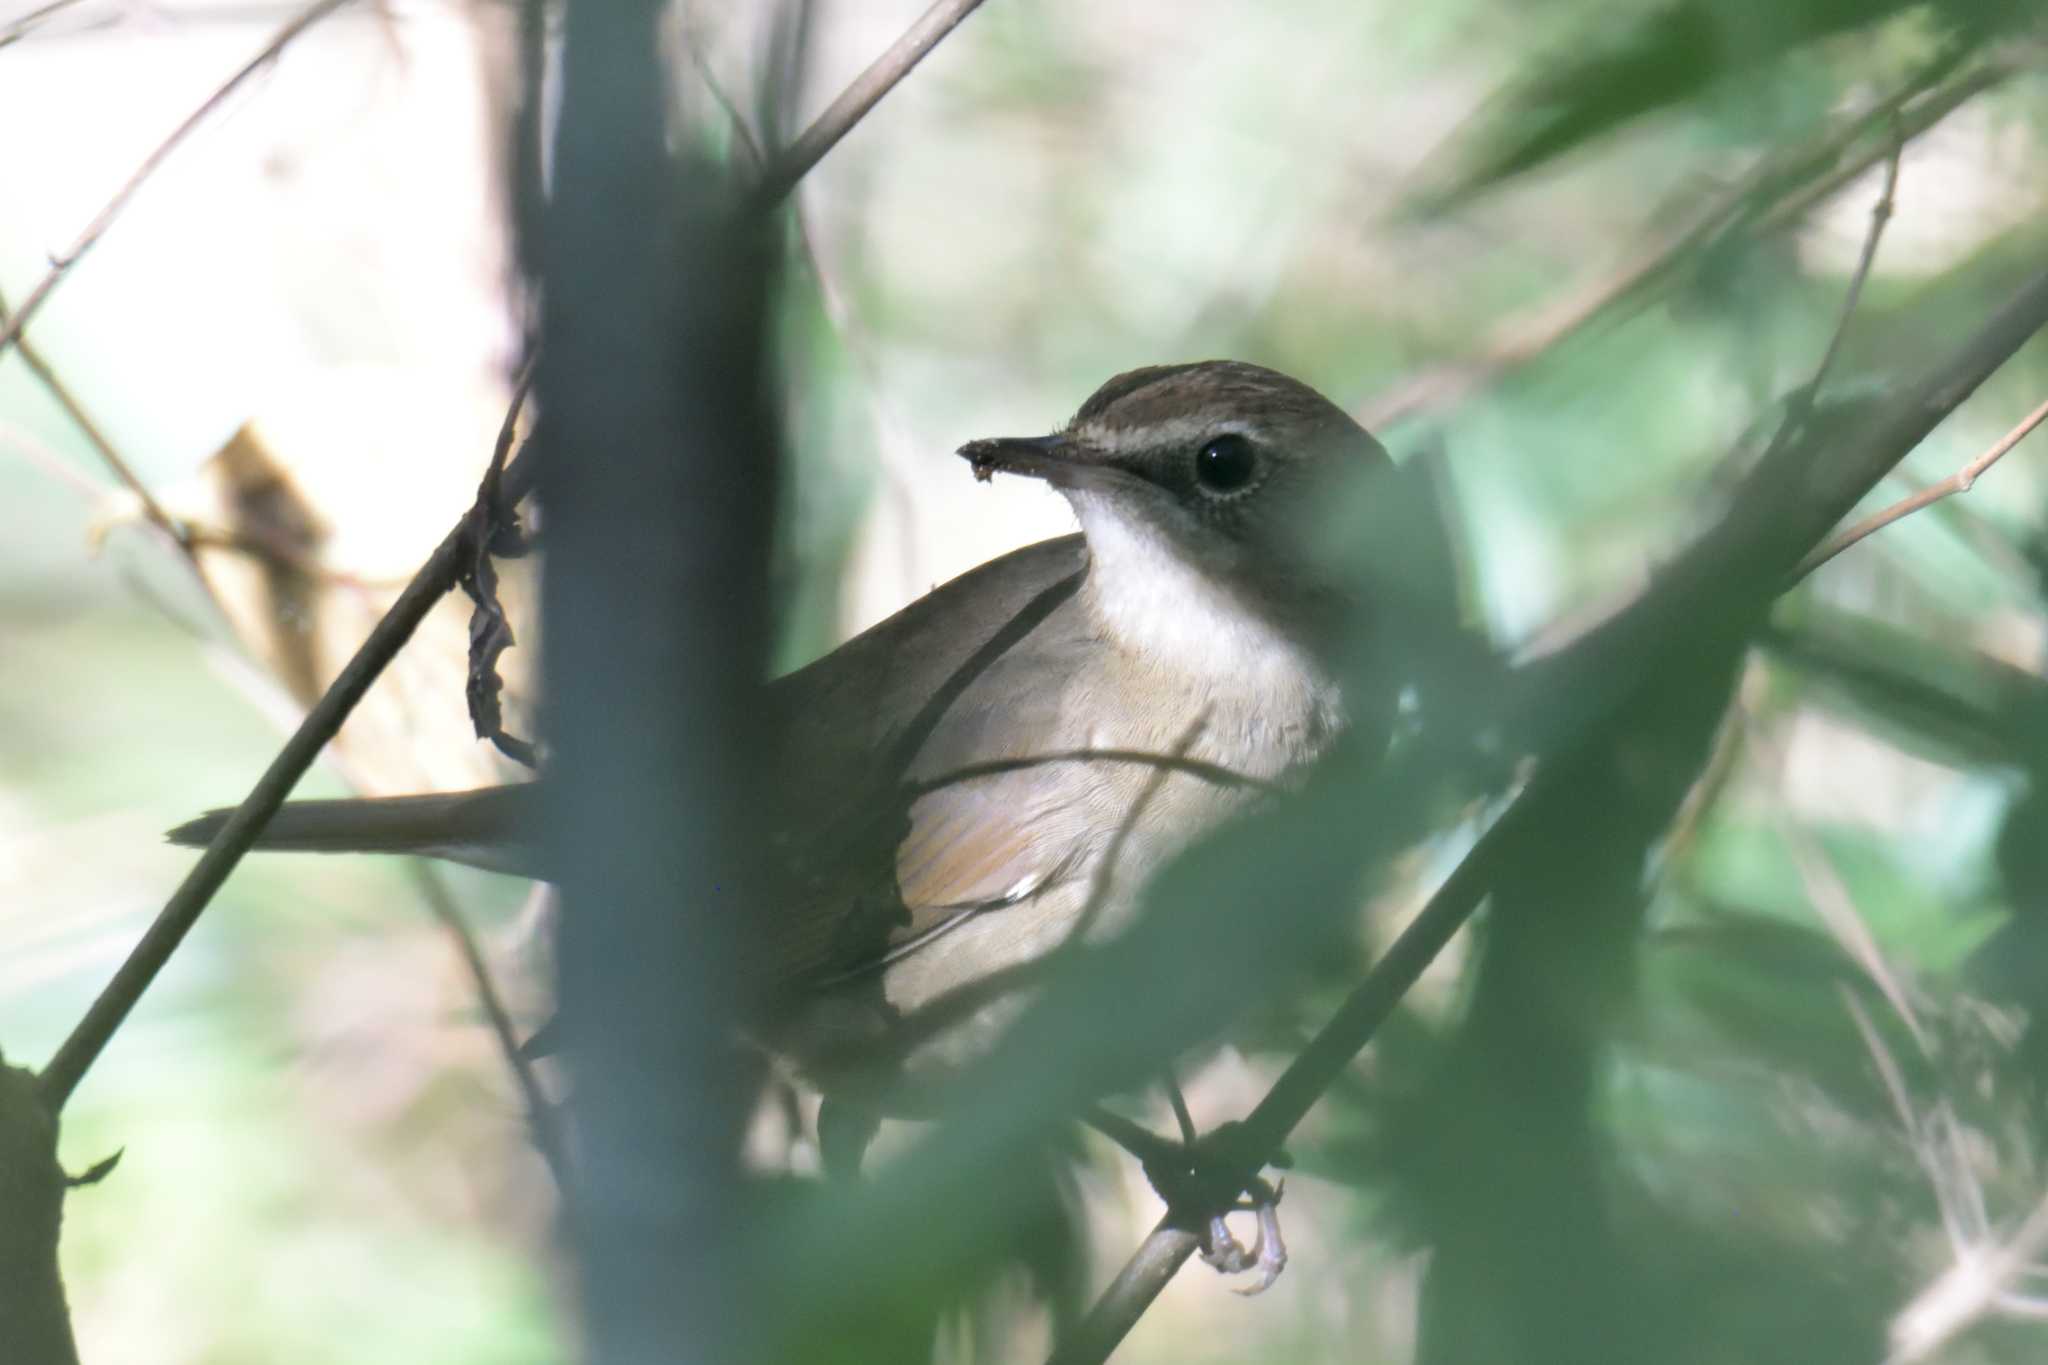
(659, 479)
(1744, 558)
(35, 1323)
(104, 219)
(1169, 1245)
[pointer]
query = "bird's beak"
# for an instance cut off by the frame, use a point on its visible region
(1052, 458)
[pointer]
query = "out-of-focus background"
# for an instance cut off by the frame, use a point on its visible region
(300, 336)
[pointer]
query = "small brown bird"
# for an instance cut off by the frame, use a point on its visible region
(996, 768)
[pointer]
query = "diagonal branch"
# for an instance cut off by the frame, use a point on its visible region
(540, 1112)
(1761, 203)
(1962, 481)
(180, 534)
(321, 723)
(1368, 1006)
(434, 580)
(867, 89)
(16, 29)
(1763, 528)
(11, 329)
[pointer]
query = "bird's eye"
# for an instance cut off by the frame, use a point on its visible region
(1226, 464)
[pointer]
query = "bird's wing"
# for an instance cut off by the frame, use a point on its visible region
(897, 791)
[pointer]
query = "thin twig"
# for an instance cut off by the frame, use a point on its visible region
(1182, 1118)
(17, 29)
(867, 89)
(1520, 340)
(179, 533)
(11, 329)
(48, 461)
(1799, 408)
(1959, 482)
(433, 581)
(1880, 215)
(1967, 1291)
(540, 1112)
(1836, 907)
(862, 95)
(236, 837)
(693, 46)
(1978, 1283)
(1105, 873)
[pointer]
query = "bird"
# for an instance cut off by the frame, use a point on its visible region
(992, 772)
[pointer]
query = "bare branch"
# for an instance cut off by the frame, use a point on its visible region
(1521, 339)
(862, 95)
(11, 329)
(1959, 482)
(34, 1319)
(434, 579)
(540, 1112)
(17, 29)
(179, 533)
(1880, 214)
(182, 910)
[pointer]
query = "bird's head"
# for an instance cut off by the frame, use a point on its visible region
(1204, 490)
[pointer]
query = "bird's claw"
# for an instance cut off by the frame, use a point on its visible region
(1268, 1255)
(1269, 1249)
(1181, 1181)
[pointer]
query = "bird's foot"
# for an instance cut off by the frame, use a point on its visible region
(1202, 1183)
(1268, 1253)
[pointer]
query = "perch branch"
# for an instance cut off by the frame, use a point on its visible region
(1602, 667)
(434, 580)
(78, 1051)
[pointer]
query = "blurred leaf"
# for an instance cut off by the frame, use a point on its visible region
(1952, 705)
(1675, 55)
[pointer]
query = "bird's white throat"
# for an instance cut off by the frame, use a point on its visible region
(1172, 615)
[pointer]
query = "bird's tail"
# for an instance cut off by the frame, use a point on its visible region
(492, 827)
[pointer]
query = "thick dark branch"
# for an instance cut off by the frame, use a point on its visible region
(35, 1324)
